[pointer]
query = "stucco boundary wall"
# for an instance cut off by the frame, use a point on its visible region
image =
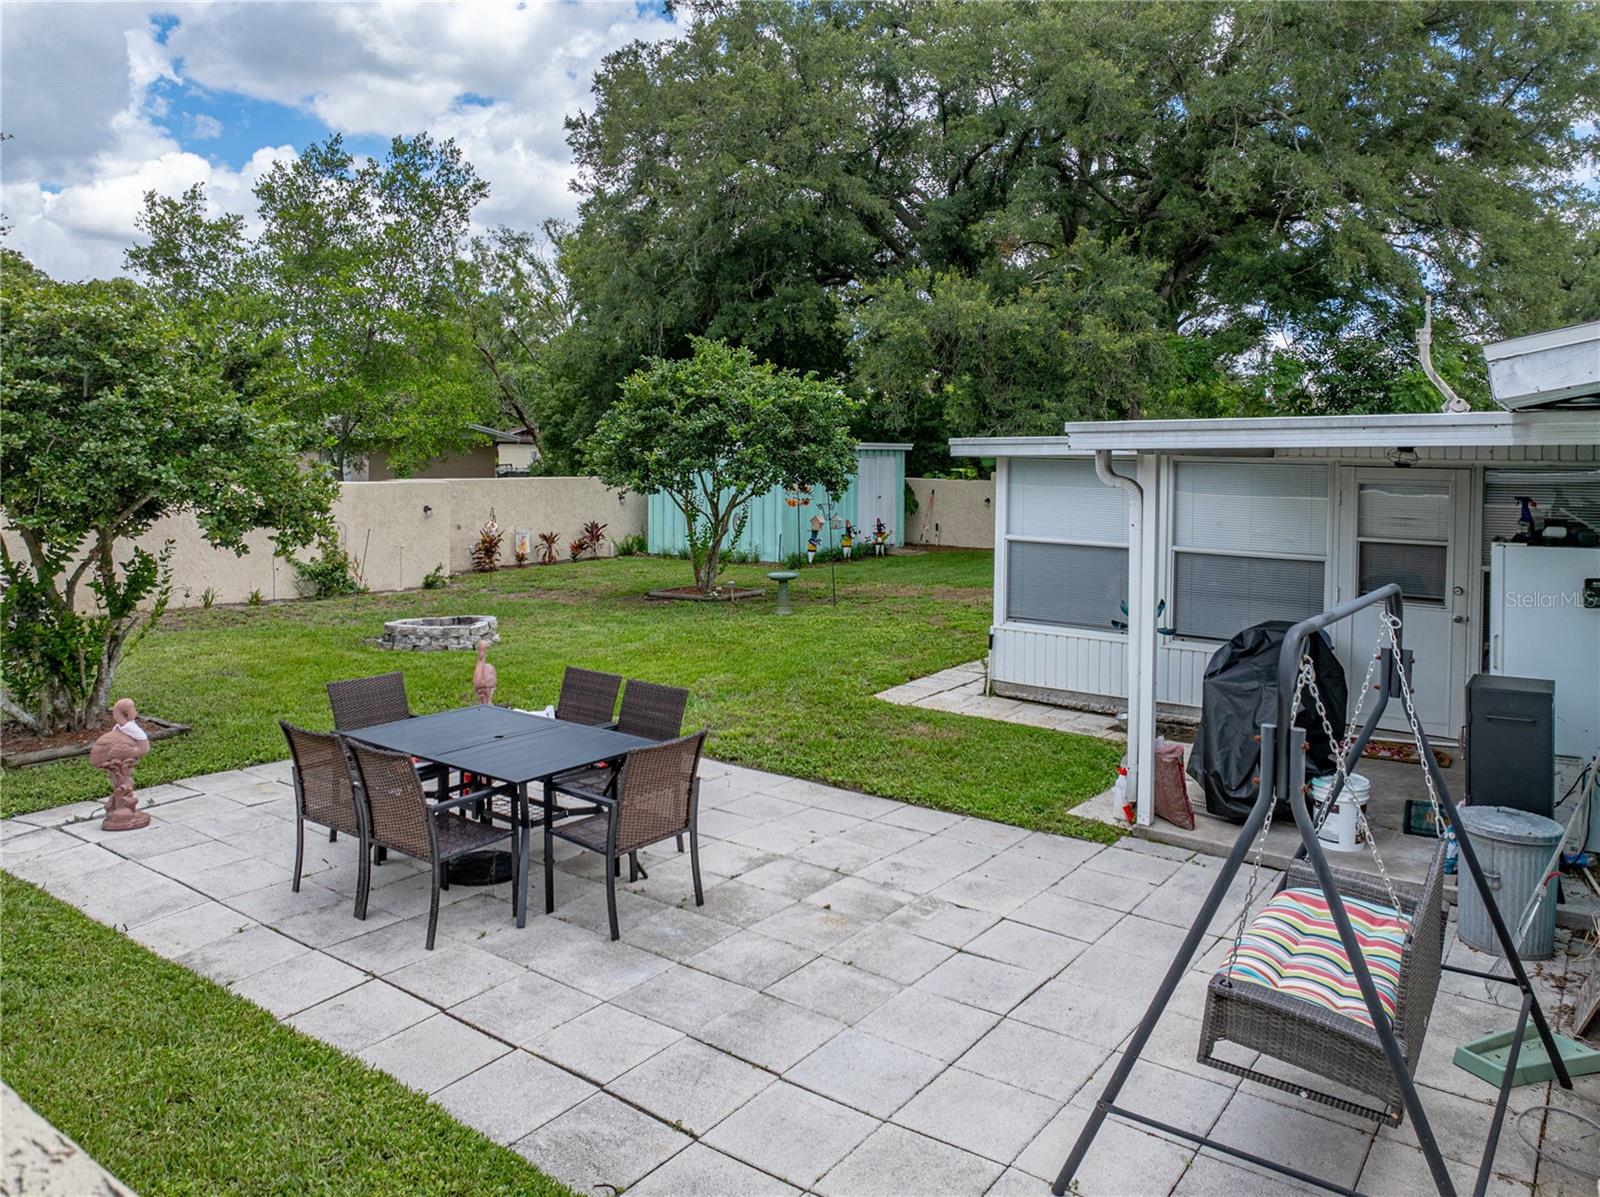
(398, 531)
(952, 512)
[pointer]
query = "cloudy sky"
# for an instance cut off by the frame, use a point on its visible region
(107, 101)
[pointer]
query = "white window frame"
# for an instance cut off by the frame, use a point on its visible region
(1003, 542)
(1169, 582)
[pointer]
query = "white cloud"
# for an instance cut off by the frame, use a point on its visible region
(84, 155)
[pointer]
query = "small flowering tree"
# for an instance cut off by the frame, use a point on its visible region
(111, 416)
(715, 429)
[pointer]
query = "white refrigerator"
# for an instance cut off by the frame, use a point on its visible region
(1544, 621)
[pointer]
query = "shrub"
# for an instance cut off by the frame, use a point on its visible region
(436, 578)
(208, 598)
(326, 576)
(594, 535)
(256, 598)
(632, 545)
(486, 552)
(549, 543)
(794, 561)
(578, 548)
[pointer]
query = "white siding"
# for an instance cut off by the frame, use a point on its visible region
(1095, 663)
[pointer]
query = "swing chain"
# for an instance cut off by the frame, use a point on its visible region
(1302, 682)
(1341, 749)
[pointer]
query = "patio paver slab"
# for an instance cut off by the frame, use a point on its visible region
(792, 1133)
(513, 1096)
(434, 1053)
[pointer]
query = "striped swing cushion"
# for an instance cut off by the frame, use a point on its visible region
(1293, 947)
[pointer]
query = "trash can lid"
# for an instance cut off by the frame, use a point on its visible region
(1510, 826)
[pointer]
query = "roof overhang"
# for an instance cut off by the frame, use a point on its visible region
(1577, 426)
(903, 447)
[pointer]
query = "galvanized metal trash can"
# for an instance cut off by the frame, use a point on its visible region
(1514, 846)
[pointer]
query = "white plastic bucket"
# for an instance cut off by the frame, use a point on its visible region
(1341, 830)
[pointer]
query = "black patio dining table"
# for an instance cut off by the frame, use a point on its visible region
(511, 747)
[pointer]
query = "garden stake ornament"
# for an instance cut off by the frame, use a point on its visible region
(117, 752)
(483, 676)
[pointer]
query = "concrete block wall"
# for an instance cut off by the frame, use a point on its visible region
(953, 512)
(400, 530)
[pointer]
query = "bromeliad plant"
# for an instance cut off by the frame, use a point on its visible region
(714, 430)
(112, 415)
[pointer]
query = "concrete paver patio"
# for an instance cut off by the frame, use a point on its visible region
(875, 998)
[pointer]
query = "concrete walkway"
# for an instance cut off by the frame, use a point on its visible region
(876, 998)
(960, 689)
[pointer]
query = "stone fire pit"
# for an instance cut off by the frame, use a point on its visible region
(440, 633)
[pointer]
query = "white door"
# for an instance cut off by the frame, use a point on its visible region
(1411, 527)
(875, 497)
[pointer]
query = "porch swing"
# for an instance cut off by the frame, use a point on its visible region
(1337, 972)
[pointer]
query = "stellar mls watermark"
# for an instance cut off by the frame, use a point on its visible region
(1543, 600)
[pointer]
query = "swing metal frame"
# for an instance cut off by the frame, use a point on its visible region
(1283, 779)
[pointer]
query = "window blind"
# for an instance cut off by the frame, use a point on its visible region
(1075, 585)
(1577, 491)
(1251, 507)
(1063, 500)
(1420, 569)
(1216, 597)
(1404, 511)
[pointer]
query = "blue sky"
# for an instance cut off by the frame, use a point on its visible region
(164, 96)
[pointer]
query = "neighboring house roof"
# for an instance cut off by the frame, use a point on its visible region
(1570, 426)
(510, 436)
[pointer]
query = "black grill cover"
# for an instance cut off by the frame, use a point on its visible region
(1240, 692)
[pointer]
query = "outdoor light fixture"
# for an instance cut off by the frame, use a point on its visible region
(427, 510)
(1403, 458)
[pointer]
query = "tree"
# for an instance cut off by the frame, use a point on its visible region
(515, 302)
(115, 414)
(1263, 173)
(715, 429)
(351, 284)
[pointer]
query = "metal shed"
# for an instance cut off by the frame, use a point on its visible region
(774, 529)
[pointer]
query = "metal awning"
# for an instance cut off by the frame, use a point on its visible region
(1573, 426)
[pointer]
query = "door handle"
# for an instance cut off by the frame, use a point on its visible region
(1458, 619)
(1509, 719)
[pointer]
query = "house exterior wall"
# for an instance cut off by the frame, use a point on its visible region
(953, 512)
(476, 462)
(1083, 666)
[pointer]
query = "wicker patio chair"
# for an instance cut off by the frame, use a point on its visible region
(587, 696)
(368, 701)
(656, 797)
(649, 711)
(400, 817)
(1343, 1049)
(323, 795)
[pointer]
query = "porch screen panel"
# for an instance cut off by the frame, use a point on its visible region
(1577, 491)
(1251, 507)
(1249, 543)
(1074, 585)
(1221, 596)
(1063, 501)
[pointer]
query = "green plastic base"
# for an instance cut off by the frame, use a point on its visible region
(1486, 1058)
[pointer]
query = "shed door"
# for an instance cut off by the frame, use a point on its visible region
(875, 497)
(1411, 527)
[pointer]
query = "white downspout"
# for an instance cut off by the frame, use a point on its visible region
(1141, 646)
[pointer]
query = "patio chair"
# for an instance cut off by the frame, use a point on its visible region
(400, 817)
(324, 795)
(368, 701)
(649, 711)
(587, 696)
(656, 796)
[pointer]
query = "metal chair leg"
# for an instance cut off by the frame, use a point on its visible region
(299, 848)
(694, 866)
(433, 907)
(611, 877)
(333, 835)
(680, 842)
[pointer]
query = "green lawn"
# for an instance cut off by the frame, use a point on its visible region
(791, 695)
(179, 1087)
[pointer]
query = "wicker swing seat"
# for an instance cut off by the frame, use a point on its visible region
(1287, 990)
